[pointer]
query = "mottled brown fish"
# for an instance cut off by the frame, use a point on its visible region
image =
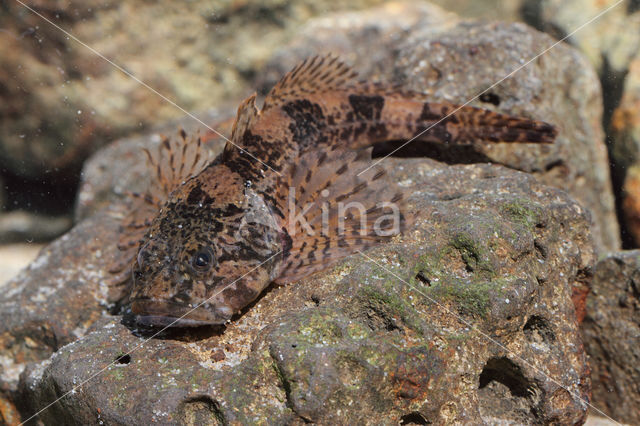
(211, 235)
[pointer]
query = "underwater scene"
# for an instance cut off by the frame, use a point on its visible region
(289, 212)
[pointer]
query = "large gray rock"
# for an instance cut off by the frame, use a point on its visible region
(611, 331)
(494, 253)
(455, 60)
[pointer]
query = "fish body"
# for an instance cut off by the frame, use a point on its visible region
(212, 234)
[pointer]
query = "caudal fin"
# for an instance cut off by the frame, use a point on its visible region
(467, 125)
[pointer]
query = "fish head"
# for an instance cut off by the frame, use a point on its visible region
(208, 253)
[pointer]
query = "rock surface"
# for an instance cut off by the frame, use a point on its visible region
(21, 226)
(495, 254)
(455, 60)
(625, 133)
(631, 203)
(625, 123)
(609, 42)
(611, 330)
(468, 318)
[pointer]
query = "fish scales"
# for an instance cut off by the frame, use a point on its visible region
(212, 234)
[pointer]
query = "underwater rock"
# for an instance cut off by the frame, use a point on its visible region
(494, 253)
(625, 140)
(54, 300)
(375, 31)
(631, 202)
(610, 42)
(60, 102)
(456, 60)
(20, 226)
(611, 331)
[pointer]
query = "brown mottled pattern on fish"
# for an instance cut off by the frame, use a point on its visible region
(213, 233)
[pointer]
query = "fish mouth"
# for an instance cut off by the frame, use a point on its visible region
(163, 313)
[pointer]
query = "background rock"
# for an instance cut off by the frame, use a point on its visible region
(625, 123)
(499, 252)
(454, 61)
(611, 330)
(21, 226)
(631, 202)
(609, 42)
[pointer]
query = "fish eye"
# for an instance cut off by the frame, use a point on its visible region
(203, 260)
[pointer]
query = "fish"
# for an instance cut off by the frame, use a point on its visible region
(294, 191)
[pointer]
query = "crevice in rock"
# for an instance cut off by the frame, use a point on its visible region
(557, 164)
(201, 409)
(538, 329)
(490, 98)
(420, 276)
(285, 385)
(414, 418)
(612, 82)
(540, 248)
(503, 370)
(505, 393)
(377, 318)
(124, 359)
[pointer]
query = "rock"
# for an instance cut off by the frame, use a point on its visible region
(631, 203)
(21, 226)
(15, 257)
(376, 31)
(625, 138)
(54, 300)
(492, 10)
(60, 101)
(610, 331)
(495, 253)
(453, 60)
(609, 42)
(625, 122)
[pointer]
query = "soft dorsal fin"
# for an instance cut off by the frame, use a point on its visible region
(318, 73)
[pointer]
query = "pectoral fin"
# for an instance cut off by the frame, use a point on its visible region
(331, 212)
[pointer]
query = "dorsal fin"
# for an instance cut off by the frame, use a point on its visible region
(322, 72)
(246, 116)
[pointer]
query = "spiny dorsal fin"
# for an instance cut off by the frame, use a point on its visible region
(247, 114)
(173, 163)
(343, 212)
(318, 73)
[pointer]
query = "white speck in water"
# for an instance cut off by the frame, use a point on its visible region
(506, 301)
(179, 226)
(79, 111)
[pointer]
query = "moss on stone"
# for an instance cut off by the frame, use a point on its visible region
(522, 211)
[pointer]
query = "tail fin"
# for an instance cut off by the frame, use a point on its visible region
(468, 125)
